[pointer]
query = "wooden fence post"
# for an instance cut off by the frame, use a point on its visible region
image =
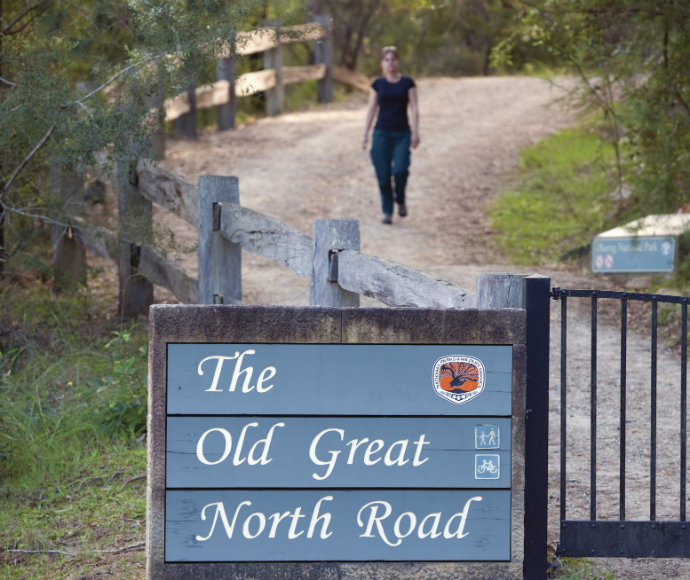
(157, 139)
(273, 59)
(324, 55)
(69, 256)
(331, 236)
(220, 261)
(499, 291)
(225, 113)
(136, 229)
(185, 125)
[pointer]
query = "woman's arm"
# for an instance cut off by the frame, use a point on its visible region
(371, 111)
(414, 112)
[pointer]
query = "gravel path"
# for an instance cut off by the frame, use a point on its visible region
(304, 166)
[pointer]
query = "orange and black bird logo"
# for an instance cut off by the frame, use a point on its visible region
(458, 378)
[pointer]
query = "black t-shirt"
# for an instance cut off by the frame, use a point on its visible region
(393, 99)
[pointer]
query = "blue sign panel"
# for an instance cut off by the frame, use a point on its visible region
(363, 452)
(291, 379)
(332, 452)
(633, 254)
(337, 525)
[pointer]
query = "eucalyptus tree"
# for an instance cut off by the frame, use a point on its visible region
(633, 60)
(77, 79)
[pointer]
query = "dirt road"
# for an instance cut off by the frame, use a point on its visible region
(309, 165)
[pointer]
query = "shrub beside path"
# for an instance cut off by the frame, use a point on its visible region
(309, 165)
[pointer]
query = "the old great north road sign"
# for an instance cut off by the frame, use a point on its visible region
(298, 452)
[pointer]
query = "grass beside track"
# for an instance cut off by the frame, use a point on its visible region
(72, 449)
(561, 197)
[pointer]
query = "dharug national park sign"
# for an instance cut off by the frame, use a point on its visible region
(305, 442)
(634, 254)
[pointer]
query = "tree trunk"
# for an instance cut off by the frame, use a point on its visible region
(3, 254)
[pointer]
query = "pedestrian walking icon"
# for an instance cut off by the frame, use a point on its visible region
(487, 466)
(487, 437)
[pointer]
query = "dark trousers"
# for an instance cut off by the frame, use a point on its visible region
(390, 154)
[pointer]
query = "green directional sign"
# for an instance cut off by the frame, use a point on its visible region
(633, 254)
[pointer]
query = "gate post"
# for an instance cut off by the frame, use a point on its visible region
(220, 261)
(537, 307)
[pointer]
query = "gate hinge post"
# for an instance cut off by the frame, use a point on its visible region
(537, 308)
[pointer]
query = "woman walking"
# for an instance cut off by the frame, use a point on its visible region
(393, 133)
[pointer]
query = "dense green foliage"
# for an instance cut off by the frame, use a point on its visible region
(631, 57)
(66, 386)
(433, 38)
(80, 78)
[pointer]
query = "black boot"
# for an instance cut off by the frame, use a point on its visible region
(400, 185)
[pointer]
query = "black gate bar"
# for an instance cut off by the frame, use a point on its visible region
(683, 408)
(623, 406)
(593, 415)
(564, 415)
(652, 419)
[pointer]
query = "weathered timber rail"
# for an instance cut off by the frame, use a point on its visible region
(271, 80)
(331, 258)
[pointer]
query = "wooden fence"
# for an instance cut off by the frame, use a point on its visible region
(339, 273)
(331, 258)
(271, 80)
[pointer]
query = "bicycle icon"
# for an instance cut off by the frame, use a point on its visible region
(487, 466)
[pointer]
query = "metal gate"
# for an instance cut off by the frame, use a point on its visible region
(635, 434)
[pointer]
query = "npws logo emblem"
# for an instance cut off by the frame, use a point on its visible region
(459, 378)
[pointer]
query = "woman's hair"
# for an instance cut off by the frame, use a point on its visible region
(392, 49)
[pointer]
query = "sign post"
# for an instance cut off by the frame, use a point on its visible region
(321, 442)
